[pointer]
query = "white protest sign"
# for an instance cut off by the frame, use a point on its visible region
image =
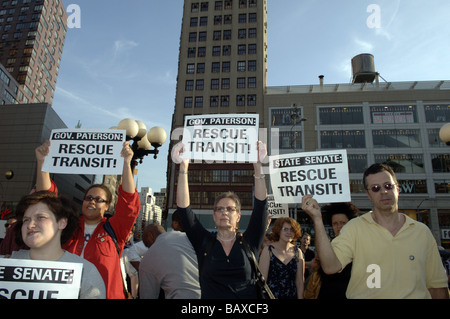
(276, 210)
(34, 279)
(92, 152)
(321, 174)
(221, 137)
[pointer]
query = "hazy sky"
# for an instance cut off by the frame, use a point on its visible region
(112, 69)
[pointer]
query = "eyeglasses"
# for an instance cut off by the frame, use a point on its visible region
(222, 210)
(387, 186)
(95, 199)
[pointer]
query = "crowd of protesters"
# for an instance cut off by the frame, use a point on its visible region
(384, 248)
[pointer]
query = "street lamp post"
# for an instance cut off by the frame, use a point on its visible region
(444, 134)
(142, 140)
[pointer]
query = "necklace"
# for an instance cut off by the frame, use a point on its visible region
(226, 240)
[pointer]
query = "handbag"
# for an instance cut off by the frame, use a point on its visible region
(262, 289)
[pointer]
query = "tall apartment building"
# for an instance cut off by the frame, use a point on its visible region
(222, 69)
(32, 38)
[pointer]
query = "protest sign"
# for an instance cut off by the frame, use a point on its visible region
(221, 137)
(92, 152)
(34, 279)
(276, 210)
(321, 174)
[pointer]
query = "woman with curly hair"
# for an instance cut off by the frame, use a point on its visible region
(282, 262)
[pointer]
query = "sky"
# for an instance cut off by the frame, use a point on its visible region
(122, 60)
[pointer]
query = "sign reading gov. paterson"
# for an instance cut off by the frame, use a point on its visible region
(221, 137)
(85, 152)
(321, 174)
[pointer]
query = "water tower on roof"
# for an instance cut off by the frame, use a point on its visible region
(363, 67)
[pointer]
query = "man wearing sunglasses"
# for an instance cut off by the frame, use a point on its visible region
(394, 256)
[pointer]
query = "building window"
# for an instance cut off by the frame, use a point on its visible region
(216, 51)
(252, 33)
(342, 139)
(442, 186)
(357, 163)
(217, 35)
(433, 138)
(193, 37)
(242, 176)
(437, 113)
(251, 82)
(252, 49)
(241, 83)
(202, 36)
(282, 117)
(227, 19)
(199, 85)
(227, 34)
(215, 67)
(242, 4)
(204, 6)
(242, 33)
(188, 102)
(217, 20)
(251, 100)
(216, 176)
(225, 100)
(218, 5)
(190, 68)
(201, 52)
(199, 101)
(394, 114)
(226, 67)
(403, 163)
(225, 83)
(243, 18)
(201, 68)
(195, 7)
(440, 163)
(189, 85)
(240, 100)
(203, 21)
(290, 140)
(252, 17)
(214, 101)
(242, 49)
(241, 66)
(228, 4)
(194, 22)
(396, 138)
(341, 115)
(191, 52)
(215, 84)
(252, 65)
(226, 50)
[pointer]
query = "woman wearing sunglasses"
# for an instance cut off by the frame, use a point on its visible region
(393, 256)
(91, 240)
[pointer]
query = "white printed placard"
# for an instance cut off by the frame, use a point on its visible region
(322, 174)
(221, 137)
(92, 152)
(34, 279)
(276, 210)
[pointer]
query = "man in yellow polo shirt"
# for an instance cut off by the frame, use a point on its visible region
(393, 255)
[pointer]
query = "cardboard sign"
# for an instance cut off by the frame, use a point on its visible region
(85, 152)
(34, 279)
(321, 174)
(221, 137)
(276, 210)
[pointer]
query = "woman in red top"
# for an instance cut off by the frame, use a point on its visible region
(91, 240)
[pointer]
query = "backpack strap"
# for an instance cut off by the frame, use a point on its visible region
(107, 226)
